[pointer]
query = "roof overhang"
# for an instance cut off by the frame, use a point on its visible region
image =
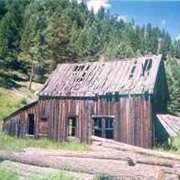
(170, 123)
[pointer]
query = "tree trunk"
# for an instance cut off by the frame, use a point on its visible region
(111, 144)
(31, 76)
(86, 165)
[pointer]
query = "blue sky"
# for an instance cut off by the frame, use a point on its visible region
(164, 14)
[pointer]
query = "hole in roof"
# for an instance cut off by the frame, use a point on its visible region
(79, 79)
(87, 67)
(132, 70)
(81, 68)
(146, 66)
(76, 67)
(83, 74)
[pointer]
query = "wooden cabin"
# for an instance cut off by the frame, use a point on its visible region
(116, 100)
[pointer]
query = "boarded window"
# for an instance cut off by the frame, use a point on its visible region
(31, 124)
(103, 127)
(71, 128)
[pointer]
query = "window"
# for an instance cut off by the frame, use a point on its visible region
(98, 127)
(31, 124)
(103, 127)
(109, 129)
(71, 128)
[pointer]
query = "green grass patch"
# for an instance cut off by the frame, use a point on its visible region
(12, 99)
(7, 174)
(35, 86)
(10, 143)
(54, 176)
(103, 177)
(175, 147)
(7, 103)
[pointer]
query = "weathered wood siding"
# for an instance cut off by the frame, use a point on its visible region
(17, 123)
(132, 121)
(132, 118)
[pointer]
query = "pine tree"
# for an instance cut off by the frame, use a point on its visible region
(173, 75)
(33, 43)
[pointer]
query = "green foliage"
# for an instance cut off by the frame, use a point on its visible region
(177, 49)
(42, 34)
(176, 144)
(173, 77)
(36, 35)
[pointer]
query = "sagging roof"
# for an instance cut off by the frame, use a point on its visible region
(170, 123)
(135, 76)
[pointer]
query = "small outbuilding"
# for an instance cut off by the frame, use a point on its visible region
(117, 100)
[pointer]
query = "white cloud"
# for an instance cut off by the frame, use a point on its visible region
(95, 5)
(124, 18)
(178, 37)
(163, 22)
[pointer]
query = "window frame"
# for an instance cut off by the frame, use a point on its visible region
(103, 127)
(73, 118)
(31, 124)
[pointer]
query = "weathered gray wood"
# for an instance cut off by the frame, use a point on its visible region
(88, 79)
(126, 147)
(90, 166)
(170, 123)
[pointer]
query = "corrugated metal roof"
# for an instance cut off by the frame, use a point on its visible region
(170, 123)
(136, 76)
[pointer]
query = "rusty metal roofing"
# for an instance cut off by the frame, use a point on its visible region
(135, 76)
(170, 123)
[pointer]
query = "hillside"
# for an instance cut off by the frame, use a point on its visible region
(12, 99)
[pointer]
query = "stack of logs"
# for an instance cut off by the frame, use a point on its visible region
(108, 157)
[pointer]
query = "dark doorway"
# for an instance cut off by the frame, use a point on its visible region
(71, 126)
(103, 127)
(31, 124)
